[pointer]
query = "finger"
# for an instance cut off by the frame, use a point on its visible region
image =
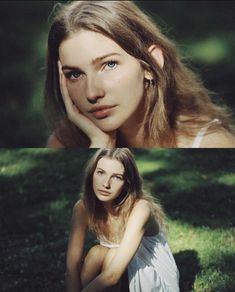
(73, 112)
(64, 91)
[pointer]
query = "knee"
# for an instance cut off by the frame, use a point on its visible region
(96, 252)
(92, 264)
(94, 257)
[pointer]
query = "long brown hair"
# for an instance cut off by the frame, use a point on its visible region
(132, 192)
(175, 103)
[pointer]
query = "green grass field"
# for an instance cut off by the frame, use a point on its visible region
(39, 187)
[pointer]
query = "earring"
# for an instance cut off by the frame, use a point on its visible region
(150, 81)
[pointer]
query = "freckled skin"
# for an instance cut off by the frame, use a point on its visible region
(122, 86)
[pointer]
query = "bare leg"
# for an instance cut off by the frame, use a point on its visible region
(108, 258)
(93, 264)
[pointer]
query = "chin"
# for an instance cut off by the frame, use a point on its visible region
(107, 126)
(104, 199)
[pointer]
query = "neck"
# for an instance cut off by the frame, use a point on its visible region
(110, 208)
(131, 133)
(133, 136)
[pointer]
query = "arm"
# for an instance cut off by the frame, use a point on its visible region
(135, 229)
(75, 247)
(97, 137)
(54, 142)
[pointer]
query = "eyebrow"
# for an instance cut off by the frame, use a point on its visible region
(112, 173)
(95, 61)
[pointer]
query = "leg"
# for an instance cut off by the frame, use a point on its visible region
(93, 264)
(123, 284)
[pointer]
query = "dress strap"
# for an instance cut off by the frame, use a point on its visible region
(106, 243)
(202, 132)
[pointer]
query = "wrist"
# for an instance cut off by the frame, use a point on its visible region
(103, 143)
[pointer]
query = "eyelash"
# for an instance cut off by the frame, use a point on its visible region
(69, 75)
(99, 172)
(115, 176)
(111, 61)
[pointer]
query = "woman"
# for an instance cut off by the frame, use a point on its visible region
(113, 79)
(129, 226)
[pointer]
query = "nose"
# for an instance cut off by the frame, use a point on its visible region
(106, 183)
(94, 90)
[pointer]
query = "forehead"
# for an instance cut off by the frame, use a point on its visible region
(87, 45)
(111, 165)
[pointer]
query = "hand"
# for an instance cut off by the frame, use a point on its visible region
(98, 138)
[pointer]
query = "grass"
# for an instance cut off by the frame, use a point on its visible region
(40, 186)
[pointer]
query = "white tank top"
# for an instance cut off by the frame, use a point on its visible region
(198, 140)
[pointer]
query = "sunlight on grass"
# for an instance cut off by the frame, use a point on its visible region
(42, 188)
(227, 179)
(213, 280)
(58, 210)
(148, 166)
(211, 50)
(214, 249)
(13, 169)
(183, 180)
(39, 61)
(58, 205)
(20, 161)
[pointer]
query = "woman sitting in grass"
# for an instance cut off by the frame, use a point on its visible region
(130, 228)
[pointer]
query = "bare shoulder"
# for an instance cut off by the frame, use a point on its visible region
(54, 142)
(221, 138)
(79, 211)
(79, 206)
(142, 207)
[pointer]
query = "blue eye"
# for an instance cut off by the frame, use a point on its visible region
(73, 75)
(111, 64)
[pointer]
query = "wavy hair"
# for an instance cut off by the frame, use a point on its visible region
(132, 192)
(175, 103)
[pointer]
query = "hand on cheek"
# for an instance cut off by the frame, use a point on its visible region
(98, 138)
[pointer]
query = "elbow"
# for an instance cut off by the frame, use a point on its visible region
(112, 279)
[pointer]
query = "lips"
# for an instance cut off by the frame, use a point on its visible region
(105, 193)
(101, 112)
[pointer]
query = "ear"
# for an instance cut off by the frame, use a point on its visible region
(157, 54)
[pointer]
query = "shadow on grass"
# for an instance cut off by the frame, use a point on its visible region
(39, 188)
(194, 186)
(188, 264)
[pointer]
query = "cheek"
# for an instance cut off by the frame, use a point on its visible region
(130, 83)
(119, 188)
(75, 92)
(95, 181)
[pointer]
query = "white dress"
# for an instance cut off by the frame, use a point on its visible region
(153, 267)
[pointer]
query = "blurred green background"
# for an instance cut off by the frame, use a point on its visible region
(40, 186)
(203, 30)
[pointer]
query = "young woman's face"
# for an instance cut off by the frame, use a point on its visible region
(103, 80)
(108, 179)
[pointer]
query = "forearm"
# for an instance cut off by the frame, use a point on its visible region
(103, 281)
(73, 282)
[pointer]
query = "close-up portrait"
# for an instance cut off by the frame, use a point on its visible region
(119, 74)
